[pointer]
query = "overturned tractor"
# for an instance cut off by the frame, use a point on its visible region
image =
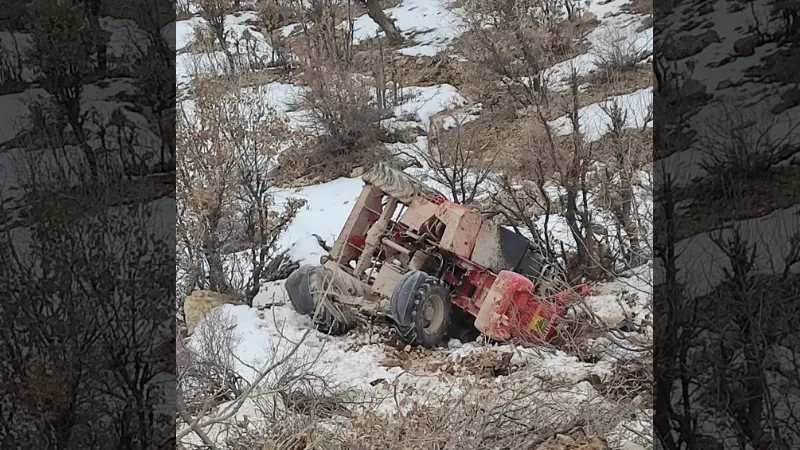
(431, 265)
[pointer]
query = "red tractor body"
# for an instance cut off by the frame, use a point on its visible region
(407, 243)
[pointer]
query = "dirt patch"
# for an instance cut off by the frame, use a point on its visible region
(779, 67)
(688, 45)
(563, 442)
(411, 70)
(480, 364)
(715, 206)
(638, 7)
(617, 83)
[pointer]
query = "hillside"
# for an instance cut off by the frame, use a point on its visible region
(434, 91)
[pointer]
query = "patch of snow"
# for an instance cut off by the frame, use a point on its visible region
(184, 31)
(14, 46)
(703, 263)
(594, 121)
(251, 353)
(429, 23)
(615, 34)
(462, 117)
(289, 29)
(328, 207)
(425, 102)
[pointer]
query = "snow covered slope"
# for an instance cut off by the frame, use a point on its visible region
(362, 360)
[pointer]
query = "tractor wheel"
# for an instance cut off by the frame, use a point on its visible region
(402, 302)
(299, 294)
(306, 288)
(427, 314)
(394, 183)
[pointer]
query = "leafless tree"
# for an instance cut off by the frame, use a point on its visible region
(456, 159)
(215, 12)
(64, 60)
(229, 140)
(375, 12)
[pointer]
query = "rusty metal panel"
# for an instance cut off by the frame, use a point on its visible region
(418, 212)
(386, 280)
(358, 222)
(488, 251)
(461, 229)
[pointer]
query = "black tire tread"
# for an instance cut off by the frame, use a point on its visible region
(306, 287)
(411, 334)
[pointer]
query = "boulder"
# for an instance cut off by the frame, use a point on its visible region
(791, 99)
(692, 89)
(357, 172)
(745, 46)
(589, 18)
(688, 45)
(199, 303)
(724, 84)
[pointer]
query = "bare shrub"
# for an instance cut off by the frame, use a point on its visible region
(741, 146)
(183, 9)
(214, 11)
(456, 159)
(64, 60)
(11, 66)
(343, 113)
(229, 141)
(523, 39)
(82, 356)
(276, 14)
(617, 50)
(326, 41)
(739, 366)
(566, 161)
(790, 17)
(210, 373)
(623, 167)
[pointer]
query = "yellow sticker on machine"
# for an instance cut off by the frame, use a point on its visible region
(538, 324)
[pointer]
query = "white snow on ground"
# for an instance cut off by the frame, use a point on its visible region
(703, 263)
(241, 36)
(355, 360)
(251, 352)
(430, 24)
(126, 39)
(462, 117)
(558, 228)
(729, 26)
(248, 47)
(15, 111)
(184, 31)
(14, 45)
(595, 119)
(424, 102)
(616, 32)
(325, 213)
(124, 45)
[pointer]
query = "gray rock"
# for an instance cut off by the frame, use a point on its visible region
(687, 45)
(745, 46)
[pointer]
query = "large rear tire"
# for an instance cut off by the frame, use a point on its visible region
(306, 288)
(402, 303)
(299, 294)
(422, 307)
